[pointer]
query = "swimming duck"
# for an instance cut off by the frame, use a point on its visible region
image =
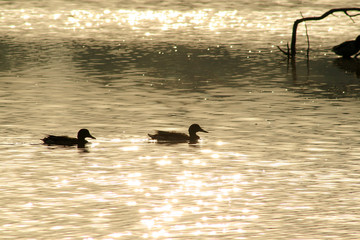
(165, 136)
(348, 48)
(68, 141)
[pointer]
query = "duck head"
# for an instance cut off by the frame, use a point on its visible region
(194, 128)
(84, 133)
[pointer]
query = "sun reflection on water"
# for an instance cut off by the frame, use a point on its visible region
(192, 196)
(130, 148)
(166, 19)
(147, 23)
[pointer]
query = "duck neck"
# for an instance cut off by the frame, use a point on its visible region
(193, 136)
(81, 144)
(81, 139)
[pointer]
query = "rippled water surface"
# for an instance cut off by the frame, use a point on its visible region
(280, 161)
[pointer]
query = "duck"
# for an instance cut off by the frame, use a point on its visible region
(166, 136)
(69, 141)
(348, 48)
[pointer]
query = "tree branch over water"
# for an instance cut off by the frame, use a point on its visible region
(292, 51)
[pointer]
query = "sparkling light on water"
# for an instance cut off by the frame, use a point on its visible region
(146, 23)
(280, 160)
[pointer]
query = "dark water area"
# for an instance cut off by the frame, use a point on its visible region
(279, 161)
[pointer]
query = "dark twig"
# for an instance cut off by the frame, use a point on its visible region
(307, 37)
(351, 17)
(282, 51)
(287, 53)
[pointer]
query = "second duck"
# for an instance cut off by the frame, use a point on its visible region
(175, 137)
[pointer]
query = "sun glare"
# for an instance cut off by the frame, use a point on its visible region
(149, 20)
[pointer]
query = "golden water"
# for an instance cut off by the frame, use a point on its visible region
(280, 161)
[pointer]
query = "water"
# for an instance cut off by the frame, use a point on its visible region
(280, 160)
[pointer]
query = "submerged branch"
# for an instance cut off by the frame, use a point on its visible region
(284, 52)
(287, 53)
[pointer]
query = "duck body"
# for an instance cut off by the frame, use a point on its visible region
(176, 137)
(348, 48)
(170, 136)
(69, 141)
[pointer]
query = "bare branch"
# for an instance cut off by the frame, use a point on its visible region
(331, 11)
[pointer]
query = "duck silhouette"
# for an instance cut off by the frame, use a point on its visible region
(348, 48)
(176, 137)
(68, 141)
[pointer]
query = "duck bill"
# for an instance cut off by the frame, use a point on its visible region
(91, 136)
(202, 130)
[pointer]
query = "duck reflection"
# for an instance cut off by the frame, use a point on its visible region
(349, 64)
(175, 137)
(316, 77)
